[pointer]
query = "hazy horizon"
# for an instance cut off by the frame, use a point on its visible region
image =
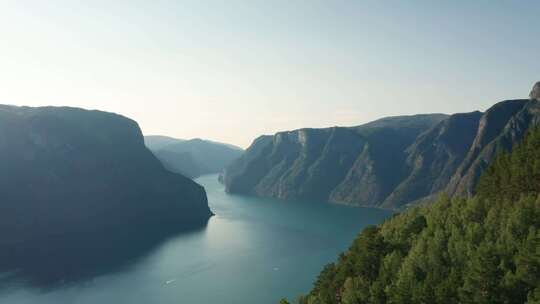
(231, 71)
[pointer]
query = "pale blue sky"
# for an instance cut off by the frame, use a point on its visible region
(232, 70)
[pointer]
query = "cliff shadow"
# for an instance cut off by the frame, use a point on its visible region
(57, 264)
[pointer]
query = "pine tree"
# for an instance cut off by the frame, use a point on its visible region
(482, 277)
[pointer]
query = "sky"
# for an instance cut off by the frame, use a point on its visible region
(233, 70)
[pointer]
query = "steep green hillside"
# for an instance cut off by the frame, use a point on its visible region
(485, 249)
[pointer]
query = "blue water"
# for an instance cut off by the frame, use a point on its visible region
(253, 251)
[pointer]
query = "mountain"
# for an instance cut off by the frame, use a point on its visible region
(389, 163)
(499, 129)
(434, 157)
(192, 157)
(353, 165)
(535, 92)
(156, 142)
(80, 189)
(484, 249)
(381, 165)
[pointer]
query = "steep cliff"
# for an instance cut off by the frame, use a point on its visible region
(500, 128)
(389, 163)
(358, 165)
(434, 158)
(76, 184)
(535, 92)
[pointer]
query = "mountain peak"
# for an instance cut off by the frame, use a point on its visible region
(535, 93)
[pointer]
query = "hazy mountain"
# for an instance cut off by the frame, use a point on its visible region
(156, 142)
(192, 157)
(79, 188)
(387, 163)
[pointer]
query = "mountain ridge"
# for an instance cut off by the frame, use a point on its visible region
(391, 163)
(295, 164)
(192, 157)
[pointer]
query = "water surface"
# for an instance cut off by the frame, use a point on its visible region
(253, 251)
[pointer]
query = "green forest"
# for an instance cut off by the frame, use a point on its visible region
(484, 249)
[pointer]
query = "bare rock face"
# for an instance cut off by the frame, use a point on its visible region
(354, 165)
(535, 93)
(389, 163)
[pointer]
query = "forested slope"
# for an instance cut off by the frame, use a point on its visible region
(485, 249)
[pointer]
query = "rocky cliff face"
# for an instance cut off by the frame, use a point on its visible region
(388, 163)
(381, 164)
(535, 92)
(500, 128)
(78, 185)
(357, 165)
(434, 158)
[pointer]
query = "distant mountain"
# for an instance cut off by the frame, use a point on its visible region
(192, 157)
(156, 142)
(80, 189)
(355, 165)
(387, 163)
